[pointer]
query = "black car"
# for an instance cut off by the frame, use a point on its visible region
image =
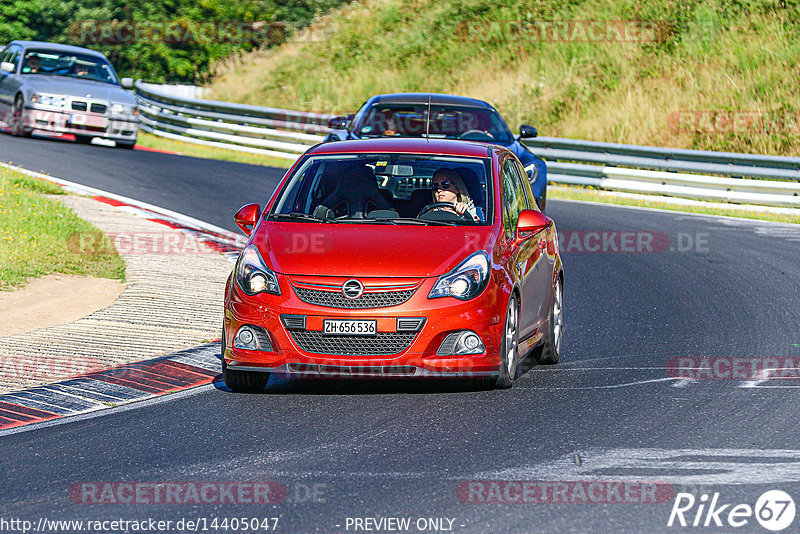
(451, 117)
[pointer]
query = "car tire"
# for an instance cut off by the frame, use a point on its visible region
(83, 139)
(126, 146)
(17, 124)
(242, 381)
(509, 347)
(551, 349)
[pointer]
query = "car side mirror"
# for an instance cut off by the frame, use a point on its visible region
(7, 66)
(530, 223)
(526, 131)
(247, 217)
(338, 123)
(127, 83)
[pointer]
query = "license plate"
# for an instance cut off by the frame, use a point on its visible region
(76, 119)
(349, 327)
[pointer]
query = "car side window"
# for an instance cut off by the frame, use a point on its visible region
(526, 187)
(513, 199)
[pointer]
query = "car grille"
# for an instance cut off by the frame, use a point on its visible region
(98, 108)
(79, 106)
(335, 299)
(382, 344)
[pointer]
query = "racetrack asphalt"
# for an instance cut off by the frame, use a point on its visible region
(610, 411)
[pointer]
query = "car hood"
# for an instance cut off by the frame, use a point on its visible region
(366, 250)
(77, 88)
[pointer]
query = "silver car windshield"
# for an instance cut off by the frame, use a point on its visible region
(393, 188)
(69, 64)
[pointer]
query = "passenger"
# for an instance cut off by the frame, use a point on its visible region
(447, 186)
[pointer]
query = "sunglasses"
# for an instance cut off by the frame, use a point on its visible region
(441, 185)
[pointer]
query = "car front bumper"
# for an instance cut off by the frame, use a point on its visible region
(290, 352)
(36, 117)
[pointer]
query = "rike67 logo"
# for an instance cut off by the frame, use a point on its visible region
(774, 510)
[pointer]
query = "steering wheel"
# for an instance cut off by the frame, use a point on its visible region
(440, 205)
(472, 132)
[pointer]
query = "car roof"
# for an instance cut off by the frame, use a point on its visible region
(57, 46)
(448, 147)
(422, 98)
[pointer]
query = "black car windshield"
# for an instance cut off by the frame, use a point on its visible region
(451, 122)
(388, 189)
(71, 64)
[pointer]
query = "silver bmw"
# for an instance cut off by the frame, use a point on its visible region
(54, 89)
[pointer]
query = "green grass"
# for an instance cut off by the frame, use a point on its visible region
(201, 151)
(715, 55)
(594, 195)
(39, 235)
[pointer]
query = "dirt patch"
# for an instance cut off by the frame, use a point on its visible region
(54, 299)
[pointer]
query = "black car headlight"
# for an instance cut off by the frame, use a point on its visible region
(466, 281)
(252, 275)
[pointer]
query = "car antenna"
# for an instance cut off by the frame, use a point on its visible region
(428, 122)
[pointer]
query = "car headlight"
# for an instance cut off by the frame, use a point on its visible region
(127, 109)
(253, 276)
(48, 100)
(533, 171)
(466, 281)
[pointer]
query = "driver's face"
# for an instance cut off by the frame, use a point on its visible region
(444, 189)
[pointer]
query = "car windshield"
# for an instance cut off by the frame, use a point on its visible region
(71, 64)
(387, 189)
(451, 122)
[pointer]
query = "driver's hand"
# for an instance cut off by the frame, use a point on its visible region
(460, 208)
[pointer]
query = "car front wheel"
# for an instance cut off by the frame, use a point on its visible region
(551, 350)
(509, 351)
(242, 381)
(17, 120)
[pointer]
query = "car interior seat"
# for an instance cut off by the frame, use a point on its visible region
(356, 194)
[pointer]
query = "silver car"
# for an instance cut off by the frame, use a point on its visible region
(60, 89)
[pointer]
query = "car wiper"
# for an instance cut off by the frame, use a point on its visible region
(414, 220)
(301, 216)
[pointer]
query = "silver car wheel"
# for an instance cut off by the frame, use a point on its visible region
(511, 338)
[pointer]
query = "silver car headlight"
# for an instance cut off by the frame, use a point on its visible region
(252, 275)
(49, 100)
(127, 109)
(466, 281)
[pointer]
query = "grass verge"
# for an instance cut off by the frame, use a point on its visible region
(209, 152)
(40, 236)
(605, 197)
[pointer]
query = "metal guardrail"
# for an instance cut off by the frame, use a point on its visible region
(276, 132)
(694, 174)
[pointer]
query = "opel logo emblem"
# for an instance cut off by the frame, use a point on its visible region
(352, 289)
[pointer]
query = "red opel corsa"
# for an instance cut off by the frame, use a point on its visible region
(395, 258)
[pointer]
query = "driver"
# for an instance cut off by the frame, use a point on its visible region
(448, 187)
(33, 63)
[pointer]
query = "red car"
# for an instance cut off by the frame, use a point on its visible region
(395, 258)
